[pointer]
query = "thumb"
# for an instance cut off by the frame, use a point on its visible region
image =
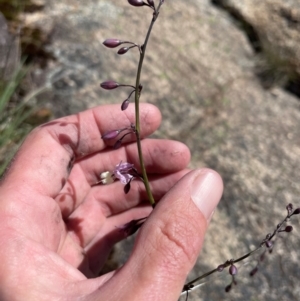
(169, 242)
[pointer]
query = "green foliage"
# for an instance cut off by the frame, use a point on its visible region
(17, 117)
(13, 115)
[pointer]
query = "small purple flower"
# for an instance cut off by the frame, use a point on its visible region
(288, 229)
(112, 43)
(233, 270)
(269, 244)
(111, 134)
(118, 144)
(253, 272)
(228, 288)
(125, 104)
(123, 50)
(136, 2)
(297, 211)
(124, 172)
(131, 227)
(109, 85)
(289, 208)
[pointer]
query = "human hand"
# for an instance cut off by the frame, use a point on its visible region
(57, 227)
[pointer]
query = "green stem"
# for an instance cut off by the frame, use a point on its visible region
(137, 108)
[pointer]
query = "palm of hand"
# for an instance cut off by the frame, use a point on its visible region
(57, 227)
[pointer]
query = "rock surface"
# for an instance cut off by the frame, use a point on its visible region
(277, 24)
(200, 71)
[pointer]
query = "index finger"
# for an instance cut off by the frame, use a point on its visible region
(44, 160)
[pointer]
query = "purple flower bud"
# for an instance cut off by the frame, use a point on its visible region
(269, 244)
(268, 236)
(127, 188)
(233, 270)
(289, 208)
(109, 85)
(125, 104)
(297, 211)
(131, 227)
(136, 2)
(262, 256)
(118, 144)
(220, 268)
(253, 272)
(111, 135)
(112, 43)
(228, 288)
(288, 229)
(123, 50)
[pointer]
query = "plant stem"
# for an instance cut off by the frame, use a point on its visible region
(137, 107)
(188, 286)
(225, 265)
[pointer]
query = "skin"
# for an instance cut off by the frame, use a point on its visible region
(57, 227)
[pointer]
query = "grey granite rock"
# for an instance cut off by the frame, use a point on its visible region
(200, 71)
(277, 24)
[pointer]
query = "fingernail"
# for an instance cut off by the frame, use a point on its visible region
(205, 193)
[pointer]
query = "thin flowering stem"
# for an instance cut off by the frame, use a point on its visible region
(137, 106)
(266, 243)
(127, 86)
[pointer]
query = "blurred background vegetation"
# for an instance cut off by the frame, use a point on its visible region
(21, 47)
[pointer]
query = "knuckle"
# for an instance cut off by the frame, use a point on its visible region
(179, 240)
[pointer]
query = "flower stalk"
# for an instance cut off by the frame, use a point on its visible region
(267, 243)
(137, 105)
(111, 85)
